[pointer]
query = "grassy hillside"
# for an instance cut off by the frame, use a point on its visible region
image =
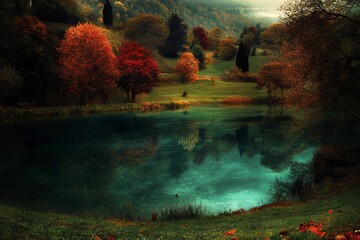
(265, 223)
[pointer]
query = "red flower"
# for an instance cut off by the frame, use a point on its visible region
(330, 211)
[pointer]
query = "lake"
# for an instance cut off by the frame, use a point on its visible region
(136, 163)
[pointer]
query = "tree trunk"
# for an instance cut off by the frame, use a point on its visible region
(133, 95)
(127, 96)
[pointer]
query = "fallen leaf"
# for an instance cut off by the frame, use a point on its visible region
(303, 227)
(96, 237)
(330, 211)
(231, 232)
(112, 238)
(340, 237)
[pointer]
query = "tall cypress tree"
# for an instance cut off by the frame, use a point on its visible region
(108, 14)
(242, 57)
(177, 37)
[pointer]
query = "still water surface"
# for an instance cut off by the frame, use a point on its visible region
(101, 165)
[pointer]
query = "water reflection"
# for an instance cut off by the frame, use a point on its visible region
(134, 164)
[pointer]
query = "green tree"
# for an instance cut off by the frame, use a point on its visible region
(147, 29)
(199, 55)
(108, 14)
(176, 41)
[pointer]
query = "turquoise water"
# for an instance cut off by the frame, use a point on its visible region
(135, 163)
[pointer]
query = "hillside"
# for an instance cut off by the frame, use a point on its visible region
(192, 12)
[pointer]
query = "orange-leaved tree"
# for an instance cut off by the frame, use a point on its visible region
(87, 64)
(188, 67)
(139, 71)
(274, 76)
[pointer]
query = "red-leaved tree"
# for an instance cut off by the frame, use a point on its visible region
(139, 71)
(87, 63)
(202, 36)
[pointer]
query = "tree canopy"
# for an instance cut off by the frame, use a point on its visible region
(139, 71)
(188, 67)
(87, 64)
(176, 40)
(321, 40)
(148, 30)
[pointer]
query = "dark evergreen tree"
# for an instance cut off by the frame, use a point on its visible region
(199, 55)
(177, 37)
(242, 57)
(108, 14)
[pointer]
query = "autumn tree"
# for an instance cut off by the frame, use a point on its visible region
(320, 41)
(139, 71)
(33, 55)
(87, 64)
(202, 37)
(10, 82)
(226, 49)
(148, 30)
(188, 67)
(108, 14)
(272, 36)
(242, 57)
(215, 35)
(176, 41)
(274, 77)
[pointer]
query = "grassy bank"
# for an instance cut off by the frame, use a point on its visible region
(262, 223)
(167, 96)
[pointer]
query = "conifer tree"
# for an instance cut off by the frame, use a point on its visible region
(177, 37)
(108, 14)
(242, 58)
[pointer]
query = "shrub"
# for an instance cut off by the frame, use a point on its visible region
(237, 100)
(235, 74)
(226, 49)
(188, 211)
(297, 186)
(331, 163)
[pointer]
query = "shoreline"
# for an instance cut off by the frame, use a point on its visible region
(10, 115)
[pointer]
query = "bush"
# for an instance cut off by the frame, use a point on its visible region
(297, 186)
(188, 211)
(330, 163)
(236, 75)
(237, 100)
(226, 49)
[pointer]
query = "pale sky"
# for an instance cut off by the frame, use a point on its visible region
(274, 4)
(261, 3)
